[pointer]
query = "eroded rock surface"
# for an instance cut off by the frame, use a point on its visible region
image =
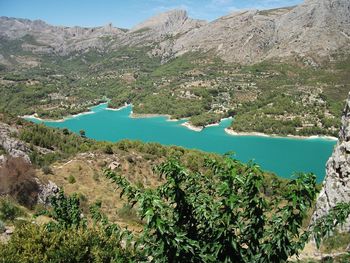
(336, 186)
(46, 191)
(13, 146)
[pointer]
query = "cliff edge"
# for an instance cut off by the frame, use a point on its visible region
(336, 186)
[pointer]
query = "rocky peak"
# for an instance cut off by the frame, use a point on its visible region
(166, 21)
(174, 22)
(336, 186)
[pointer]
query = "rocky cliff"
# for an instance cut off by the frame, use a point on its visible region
(336, 186)
(316, 29)
(11, 145)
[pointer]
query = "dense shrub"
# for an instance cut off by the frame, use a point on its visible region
(64, 144)
(71, 179)
(129, 213)
(8, 210)
(108, 149)
(2, 227)
(337, 241)
(47, 170)
(32, 243)
(68, 237)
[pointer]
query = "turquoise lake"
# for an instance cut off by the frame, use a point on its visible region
(284, 156)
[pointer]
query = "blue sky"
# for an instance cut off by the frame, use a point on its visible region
(125, 13)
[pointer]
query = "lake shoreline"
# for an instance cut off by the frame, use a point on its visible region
(281, 156)
(201, 128)
(259, 134)
(186, 124)
(147, 115)
(118, 109)
(152, 115)
(36, 116)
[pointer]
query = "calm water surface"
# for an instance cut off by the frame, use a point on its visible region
(283, 156)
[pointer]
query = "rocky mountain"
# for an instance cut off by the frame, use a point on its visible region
(315, 29)
(240, 36)
(55, 39)
(164, 30)
(336, 186)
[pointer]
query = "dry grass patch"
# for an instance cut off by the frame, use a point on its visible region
(92, 186)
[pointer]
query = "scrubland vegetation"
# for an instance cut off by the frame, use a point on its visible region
(219, 216)
(270, 97)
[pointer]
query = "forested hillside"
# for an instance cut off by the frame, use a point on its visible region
(270, 97)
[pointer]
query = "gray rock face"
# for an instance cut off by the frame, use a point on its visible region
(336, 186)
(240, 36)
(314, 28)
(13, 146)
(46, 191)
(317, 26)
(172, 22)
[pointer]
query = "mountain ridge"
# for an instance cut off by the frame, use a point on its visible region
(314, 29)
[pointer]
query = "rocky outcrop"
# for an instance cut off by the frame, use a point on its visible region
(46, 191)
(18, 180)
(13, 146)
(172, 22)
(336, 186)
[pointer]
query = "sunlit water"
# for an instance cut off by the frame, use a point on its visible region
(284, 156)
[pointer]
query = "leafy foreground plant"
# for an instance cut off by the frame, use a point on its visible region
(222, 216)
(219, 216)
